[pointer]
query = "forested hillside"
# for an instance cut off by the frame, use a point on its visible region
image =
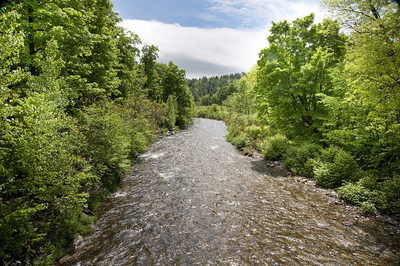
(78, 101)
(325, 99)
(214, 90)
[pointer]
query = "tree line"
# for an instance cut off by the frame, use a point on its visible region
(325, 99)
(214, 90)
(79, 99)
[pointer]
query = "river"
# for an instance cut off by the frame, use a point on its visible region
(193, 199)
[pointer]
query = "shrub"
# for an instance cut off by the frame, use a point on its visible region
(390, 197)
(334, 167)
(355, 193)
(240, 141)
(368, 207)
(141, 134)
(297, 158)
(275, 147)
(253, 131)
(214, 108)
(106, 146)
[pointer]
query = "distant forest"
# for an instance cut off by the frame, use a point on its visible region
(214, 90)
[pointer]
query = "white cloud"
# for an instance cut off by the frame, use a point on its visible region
(202, 51)
(249, 11)
(217, 51)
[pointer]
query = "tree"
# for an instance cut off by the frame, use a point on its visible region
(369, 112)
(242, 101)
(152, 84)
(204, 86)
(171, 112)
(372, 64)
(130, 73)
(40, 196)
(174, 83)
(103, 60)
(73, 112)
(294, 69)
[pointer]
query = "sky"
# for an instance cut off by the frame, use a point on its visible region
(210, 37)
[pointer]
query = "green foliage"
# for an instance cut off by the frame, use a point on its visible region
(148, 59)
(390, 196)
(356, 193)
(212, 112)
(223, 93)
(130, 74)
(368, 207)
(333, 167)
(372, 79)
(171, 112)
(242, 101)
(174, 83)
(294, 69)
(309, 87)
(275, 147)
(246, 132)
(106, 141)
(372, 194)
(240, 141)
(40, 186)
(204, 89)
(298, 158)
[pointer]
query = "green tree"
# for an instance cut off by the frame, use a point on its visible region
(40, 191)
(130, 73)
(294, 70)
(365, 121)
(242, 101)
(103, 60)
(171, 111)
(152, 84)
(373, 79)
(67, 23)
(174, 83)
(204, 86)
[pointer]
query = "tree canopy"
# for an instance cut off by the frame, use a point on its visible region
(295, 69)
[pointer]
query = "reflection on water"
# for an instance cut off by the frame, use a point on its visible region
(193, 199)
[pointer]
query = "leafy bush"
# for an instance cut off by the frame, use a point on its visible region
(240, 141)
(390, 197)
(297, 158)
(355, 193)
(106, 146)
(143, 119)
(211, 112)
(254, 131)
(275, 147)
(334, 167)
(141, 133)
(368, 207)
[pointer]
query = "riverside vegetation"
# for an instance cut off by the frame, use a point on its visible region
(327, 103)
(79, 100)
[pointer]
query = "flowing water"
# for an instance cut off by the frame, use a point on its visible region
(193, 199)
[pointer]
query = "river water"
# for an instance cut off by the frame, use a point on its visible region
(193, 199)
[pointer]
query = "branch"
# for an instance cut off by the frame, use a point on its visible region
(358, 12)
